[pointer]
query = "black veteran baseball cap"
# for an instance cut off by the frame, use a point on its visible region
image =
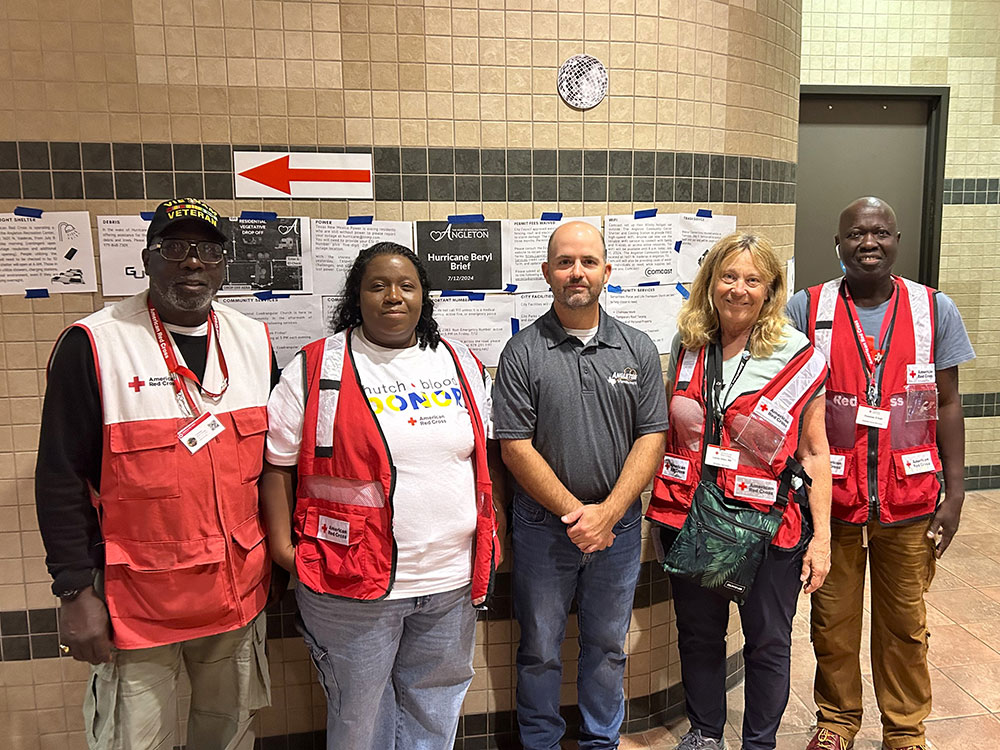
(176, 210)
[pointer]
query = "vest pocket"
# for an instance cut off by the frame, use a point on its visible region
(333, 542)
(674, 483)
(846, 497)
(250, 560)
(915, 471)
(145, 460)
(251, 426)
(179, 584)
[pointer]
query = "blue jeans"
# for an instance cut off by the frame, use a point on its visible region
(394, 672)
(549, 570)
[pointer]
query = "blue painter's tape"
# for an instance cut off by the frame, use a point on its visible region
(35, 293)
(646, 213)
(614, 289)
(268, 294)
(551, 216)
(146, 215)
(510, 288)
(705, 213)
(649, 283)
(466, 218)
(34, 213)
(677, 246)
(682, 291)
(515, 326)
(474, 296)
(360, 220)
(260, 215)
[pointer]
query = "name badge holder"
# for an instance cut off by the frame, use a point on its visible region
(921, 403)
(764, 431)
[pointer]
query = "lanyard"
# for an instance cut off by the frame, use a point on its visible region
(180, 373)
(870, 360)
(717, 380)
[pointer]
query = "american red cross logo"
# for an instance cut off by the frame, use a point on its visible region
(763, 407)
(323, 528)
(743, 485)
(136, 383)
(913, 374)
(412, 421)
(908, 463)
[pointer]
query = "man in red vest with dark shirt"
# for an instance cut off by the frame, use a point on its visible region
(894, 422)
(151, 445)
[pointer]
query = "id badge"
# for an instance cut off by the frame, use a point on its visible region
(199, 432)
(722, 457)
(921, 403)
(872, 417)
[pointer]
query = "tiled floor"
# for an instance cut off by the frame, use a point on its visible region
(963, 612)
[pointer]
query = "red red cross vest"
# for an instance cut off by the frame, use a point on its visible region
(343, 511)
(767, 419)
(889, 474)
(183, 542)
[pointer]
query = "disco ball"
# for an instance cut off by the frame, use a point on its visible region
(582, 81)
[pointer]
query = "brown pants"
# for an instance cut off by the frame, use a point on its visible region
(902, 566)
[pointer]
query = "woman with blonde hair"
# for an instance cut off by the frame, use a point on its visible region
(741, 509)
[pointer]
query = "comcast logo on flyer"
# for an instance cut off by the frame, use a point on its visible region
(461, 233)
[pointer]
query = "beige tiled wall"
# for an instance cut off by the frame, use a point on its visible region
(954, 43)
(686, 75)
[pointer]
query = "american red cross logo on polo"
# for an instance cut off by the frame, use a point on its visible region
(412, 421)
(136, 383)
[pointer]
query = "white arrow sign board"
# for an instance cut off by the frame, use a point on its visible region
(280, 174)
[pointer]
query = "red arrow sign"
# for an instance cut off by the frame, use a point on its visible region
(278, 175)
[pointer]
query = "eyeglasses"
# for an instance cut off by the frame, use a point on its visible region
(208, 252)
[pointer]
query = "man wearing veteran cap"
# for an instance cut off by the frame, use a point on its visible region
(151, 445)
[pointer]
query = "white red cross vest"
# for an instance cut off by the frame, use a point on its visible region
(346, 479)
(183, 542)
(768, 418)
(889, 474)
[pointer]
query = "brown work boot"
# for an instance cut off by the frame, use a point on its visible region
(824, 739)
(918, 746)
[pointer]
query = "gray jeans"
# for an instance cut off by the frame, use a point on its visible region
(411, 658)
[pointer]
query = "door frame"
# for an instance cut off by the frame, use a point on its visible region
(935, 146)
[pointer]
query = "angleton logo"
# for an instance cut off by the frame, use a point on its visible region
(459, 233)
(628, 376)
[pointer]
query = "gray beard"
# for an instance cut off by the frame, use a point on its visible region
(187, 303)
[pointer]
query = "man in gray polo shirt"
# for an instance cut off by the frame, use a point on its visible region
(580, 410)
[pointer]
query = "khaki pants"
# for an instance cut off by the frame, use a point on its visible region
(131, 702)
(902, 566)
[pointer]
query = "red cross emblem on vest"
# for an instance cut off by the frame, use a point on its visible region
(412, 421)
(136, 384)
(743, 485)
